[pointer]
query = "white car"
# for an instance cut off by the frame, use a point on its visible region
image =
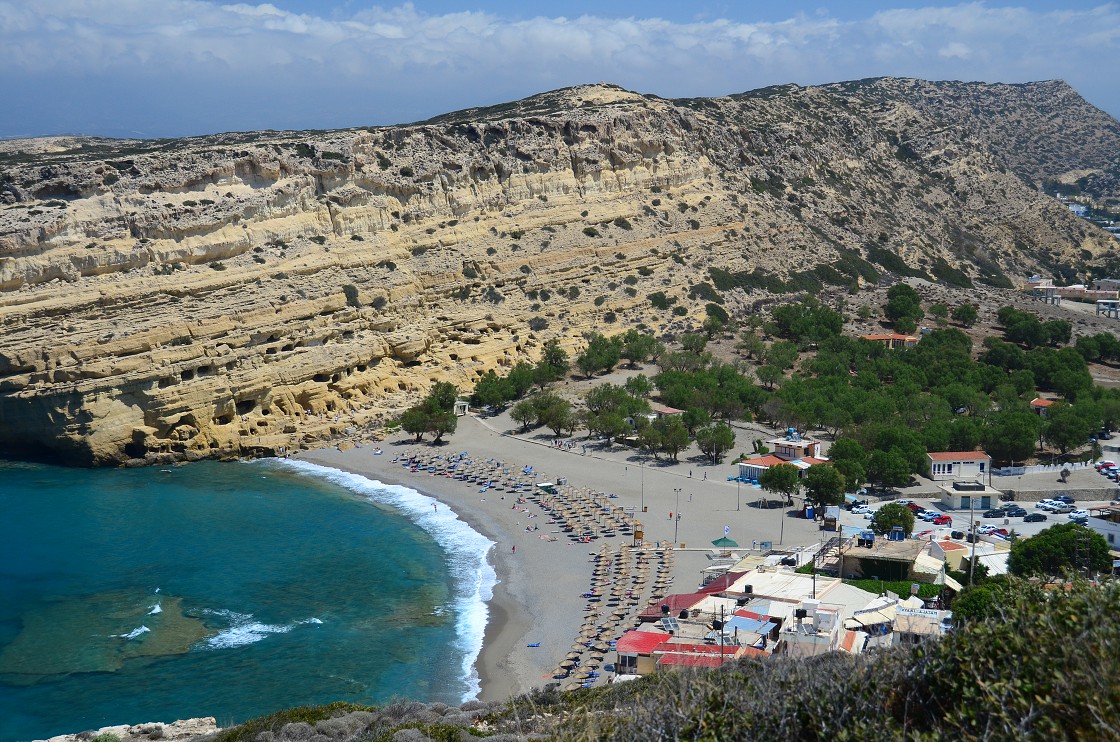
(870, 514)
(1062, 507)
(1079, 515)
(985, 529)
(929, 515)
(1048, 505)
(861, 509)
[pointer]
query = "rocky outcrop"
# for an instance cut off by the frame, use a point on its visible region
(248, 294)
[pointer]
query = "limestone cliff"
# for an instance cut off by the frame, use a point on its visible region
(251, 293)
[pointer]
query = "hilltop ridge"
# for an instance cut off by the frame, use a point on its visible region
(251, 293)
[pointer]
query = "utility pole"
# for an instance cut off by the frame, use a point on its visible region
(676, 514)
(737, 483)
(972, 531)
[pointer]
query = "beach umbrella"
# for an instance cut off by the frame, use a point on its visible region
(567, 663)
(724, 542)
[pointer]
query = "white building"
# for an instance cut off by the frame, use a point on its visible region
(950, 466)
(1105, 520)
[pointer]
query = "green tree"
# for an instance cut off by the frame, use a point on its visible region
(524, 413)
(965, 314)
(891, 515)
(694, 342)
(602, 354)
(903, 308)
(1069, 426)
(491, 391)
(1011, 434)
(1068, 547)
(769, 375)
(414, 420)
(638, 386)
(715, 441)
(782, 479)
(638, 347)
(824, 485)
(552, 365)
(782, 355)
(888, 468)
(672, 435)
(939, 312)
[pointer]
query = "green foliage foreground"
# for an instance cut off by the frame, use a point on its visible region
(1045, 666)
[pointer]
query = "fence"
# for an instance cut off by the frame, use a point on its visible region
(1018, 471)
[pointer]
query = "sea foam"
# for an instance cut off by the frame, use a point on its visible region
(138, 631)
(473, 576)
(244, 629)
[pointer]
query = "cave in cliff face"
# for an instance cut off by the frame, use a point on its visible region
(250, 294)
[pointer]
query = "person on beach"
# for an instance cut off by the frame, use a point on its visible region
(515, 548)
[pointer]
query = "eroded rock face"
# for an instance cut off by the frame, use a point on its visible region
(249, 294)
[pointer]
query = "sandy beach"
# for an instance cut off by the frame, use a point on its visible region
(540, 597)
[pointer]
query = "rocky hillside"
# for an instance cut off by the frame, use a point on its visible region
(1043, 131)
(254, 293)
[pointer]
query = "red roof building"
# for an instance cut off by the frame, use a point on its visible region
(677, 602)
(640, 642)
(722, 583)
(1041, 406)
(675, 659)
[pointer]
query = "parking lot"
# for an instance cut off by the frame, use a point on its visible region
(961, 518)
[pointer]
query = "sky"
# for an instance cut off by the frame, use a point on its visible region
(163, 68)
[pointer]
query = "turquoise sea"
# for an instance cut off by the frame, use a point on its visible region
(227, 590)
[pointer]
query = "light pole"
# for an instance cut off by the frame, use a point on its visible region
(642, 466)
(738, 481)
(676, 514)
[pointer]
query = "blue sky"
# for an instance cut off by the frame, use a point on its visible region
(177, 67)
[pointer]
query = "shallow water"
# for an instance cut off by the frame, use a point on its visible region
(226, 590)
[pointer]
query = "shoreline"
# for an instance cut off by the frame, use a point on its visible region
(538, 598)
(510, 613)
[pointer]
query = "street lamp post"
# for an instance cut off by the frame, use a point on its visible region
(642, 466)
(738, 481)
(676, 514)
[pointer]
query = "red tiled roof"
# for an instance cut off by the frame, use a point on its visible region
(1040, 402)
(639, 642)
(665, 409)
(767, 460)
(958, 455)
(722, 583)
(694, 648)
(811, 461)
(692, 660)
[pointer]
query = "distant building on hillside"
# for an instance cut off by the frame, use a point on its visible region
(1041, 406)
(892, 339)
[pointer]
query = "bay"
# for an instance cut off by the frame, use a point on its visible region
(227, 590)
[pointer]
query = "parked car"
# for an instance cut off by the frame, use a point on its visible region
(1061, 507)
(861, 509)
(1015, 512)
(903, 502)
(1065, 498)
(1104, 435)
(942, 520)
(993, 514)
(928, 514)
(985, 529)
(1079, 515)
(915, 508)
(1048, 505)
(855, 504)
(1034, 518)
(1002, 532)
(1104, 464)
(870, 514)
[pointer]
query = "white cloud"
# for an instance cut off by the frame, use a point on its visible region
(381, 60)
